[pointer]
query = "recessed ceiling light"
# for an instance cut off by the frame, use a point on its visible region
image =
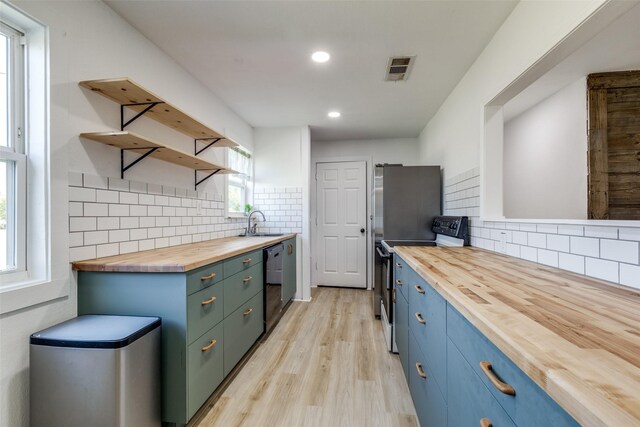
(334, 114)
(320, 56)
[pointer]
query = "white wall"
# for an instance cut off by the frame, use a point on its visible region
(466, 136)
(89, 41)
(402, 150)
(453, 137)
(545, 158)
(282, 165)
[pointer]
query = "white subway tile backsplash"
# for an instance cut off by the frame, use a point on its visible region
(630, 275)
(598, 231)
(79, 194)
(146, 199)
(128, 198)
(529, 253)
(537, 240)
(106, 196)
(137, 187)
(118, 210)
(76, 209)
(571, 262)
(96, 209)
(585, 246)
(118, 184)
(571, 230)
(630, 234)
(602, 269)
(609, 253)
(547, 257)
(96, 237)
(547, 228)
(619, 250)
(75, 179)
(128, 247)
(82, 224)
(118, 236)
(108, 250)
(76, 239)
(82, 252)
(108, 223)
(93, 181)
(146, 245)
(558, 242)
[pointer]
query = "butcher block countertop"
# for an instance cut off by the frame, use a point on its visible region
(178, 259)
(578, 338)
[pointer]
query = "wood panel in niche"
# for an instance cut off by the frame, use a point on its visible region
(614, 145)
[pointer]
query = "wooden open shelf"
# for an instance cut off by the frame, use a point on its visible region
(131, 142)
(129, 94)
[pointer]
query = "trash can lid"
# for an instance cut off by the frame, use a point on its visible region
(96, 331)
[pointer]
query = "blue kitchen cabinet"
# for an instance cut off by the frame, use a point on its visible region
(211, 316)
(443, 346)
(289, 272)
(401, 316)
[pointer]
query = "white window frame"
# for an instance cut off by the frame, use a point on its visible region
(14, 154)
(38, 282)
(245, 188)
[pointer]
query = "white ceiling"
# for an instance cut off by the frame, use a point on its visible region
(255, 57)
(616, 48)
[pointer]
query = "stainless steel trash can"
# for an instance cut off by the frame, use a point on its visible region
(96, 370)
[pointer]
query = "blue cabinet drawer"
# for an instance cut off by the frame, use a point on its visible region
(427, 398)
(241, 330)
(205, 367)
(428, 322)
(204, 311)
(401, 317)
(401, 275)
(530, 405)
(241, 287)
(469, 401)
(203, 277)
(242, 262)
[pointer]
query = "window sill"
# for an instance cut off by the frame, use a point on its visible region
(236, 215)
(31, 292)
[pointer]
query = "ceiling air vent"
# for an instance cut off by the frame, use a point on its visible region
(399, 67)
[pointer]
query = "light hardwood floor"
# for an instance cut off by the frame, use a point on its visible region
(325, 364)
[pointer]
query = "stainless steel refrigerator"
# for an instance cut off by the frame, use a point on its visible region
(405, 201)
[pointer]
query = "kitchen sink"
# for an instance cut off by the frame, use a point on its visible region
(262, 235)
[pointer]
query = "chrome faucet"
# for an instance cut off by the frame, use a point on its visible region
(252, 230)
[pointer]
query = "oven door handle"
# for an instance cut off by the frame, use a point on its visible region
(383, 256)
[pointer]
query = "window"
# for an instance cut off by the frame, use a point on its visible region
(12, 152)
(239, 160)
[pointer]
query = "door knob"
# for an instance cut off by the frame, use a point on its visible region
(362, 230)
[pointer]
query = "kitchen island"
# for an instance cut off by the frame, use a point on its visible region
(210, 297)
(576, 338)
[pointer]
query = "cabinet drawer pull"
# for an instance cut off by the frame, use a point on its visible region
(209, 346)
(420, 319)
(208, 301)
(247, 279)
(393, 295)
(420, 370)
(399, 282)
(419, 289)
(208, 277)
(246, 260)
(501, 386)
(485, 422)
(248, 312)
(290, 249)
(398, 265)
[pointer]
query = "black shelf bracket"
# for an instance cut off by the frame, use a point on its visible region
(195, 172)
(124, 168)
(149, 105)
(195, 144)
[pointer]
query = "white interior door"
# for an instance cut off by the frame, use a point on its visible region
(341, 215)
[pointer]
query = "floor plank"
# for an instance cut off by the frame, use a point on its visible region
(325, 364)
